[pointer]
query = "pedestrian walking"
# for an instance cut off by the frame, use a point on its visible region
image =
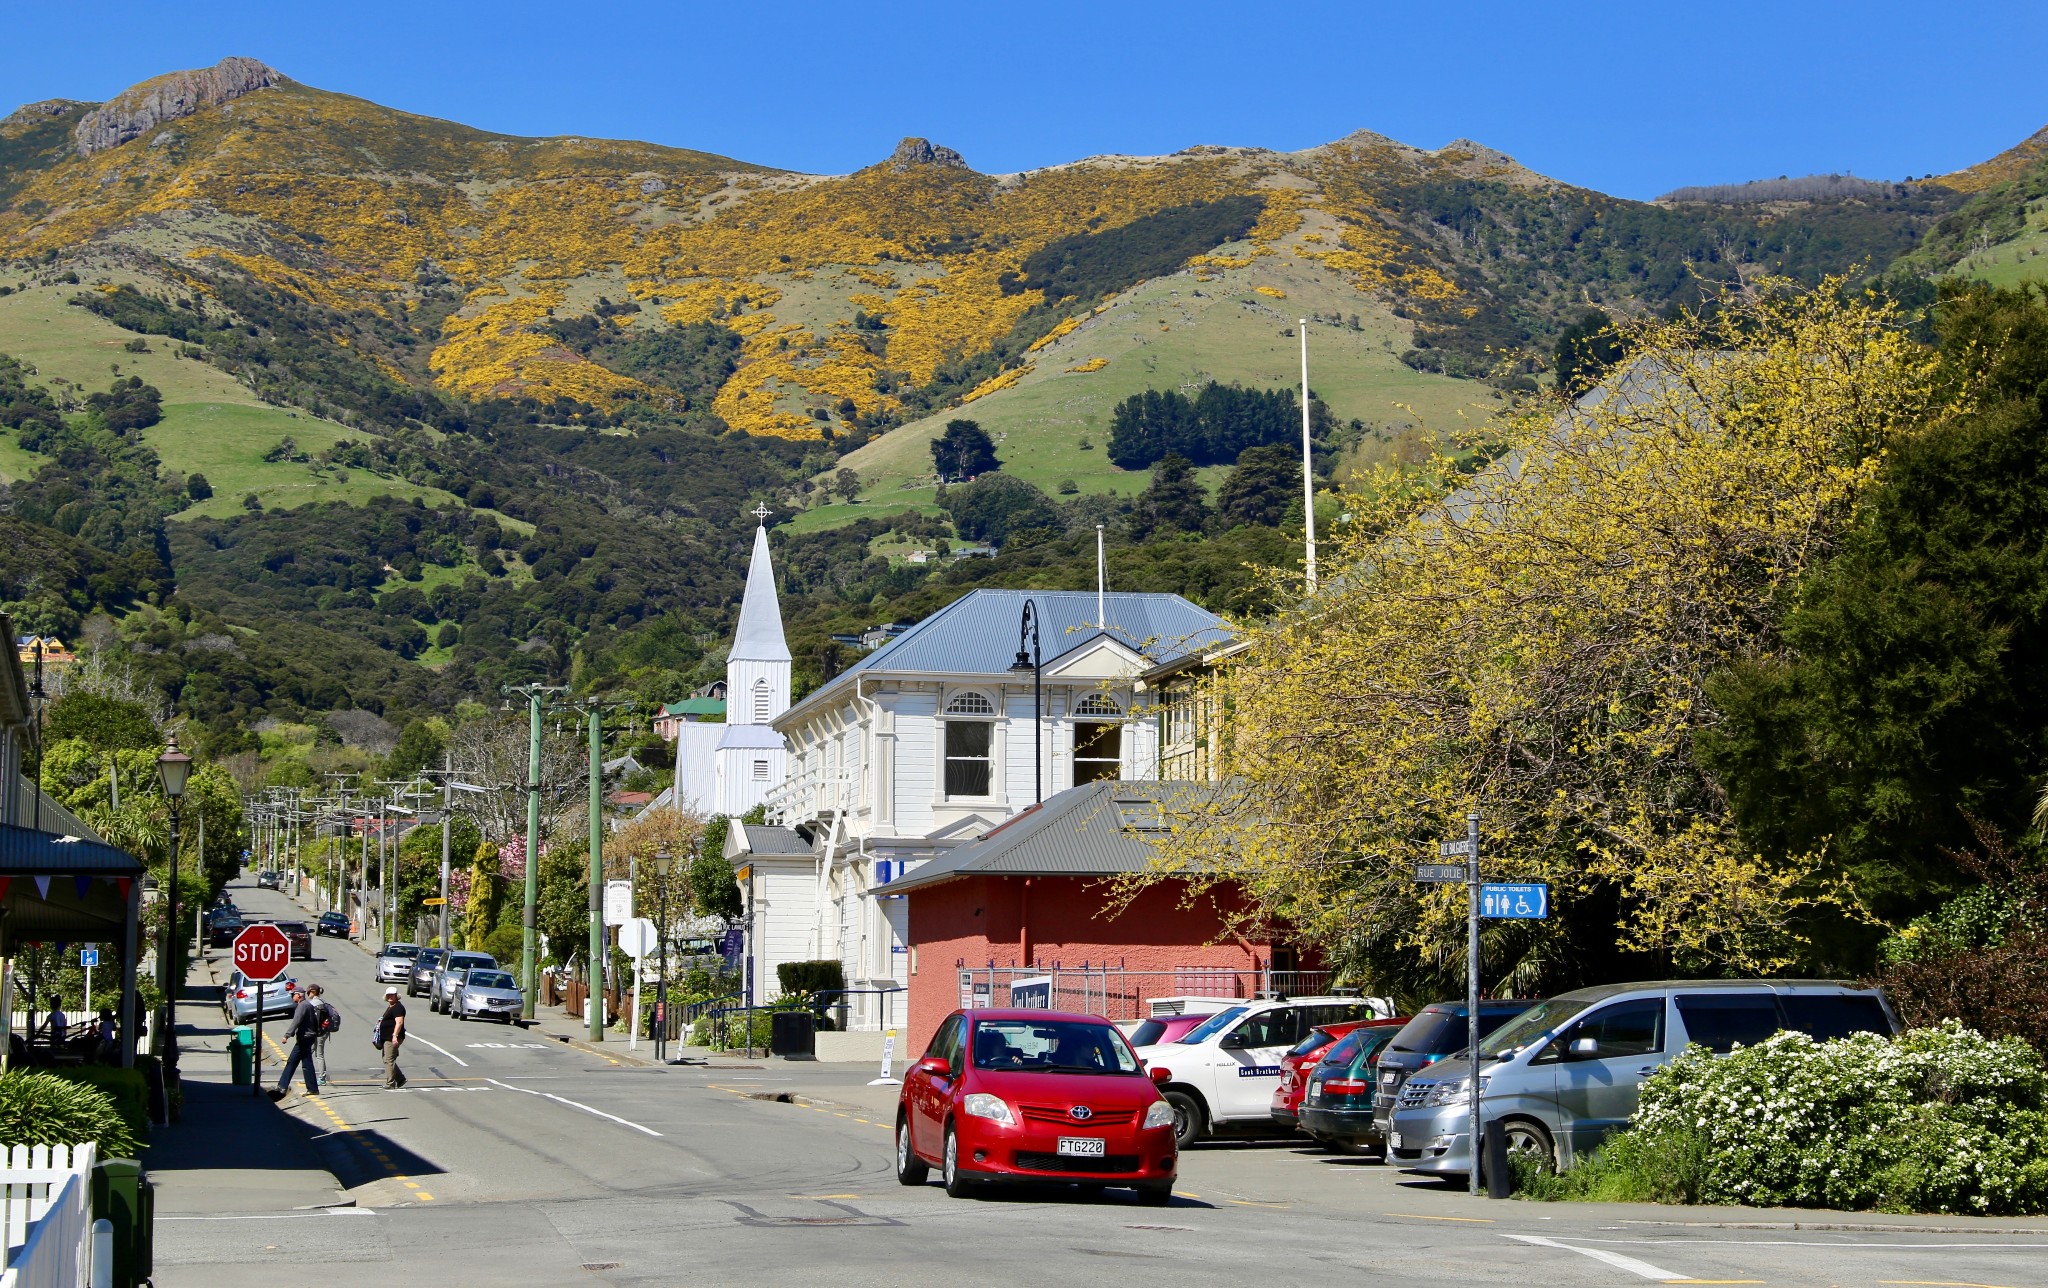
(390, 1037)
(304, 1028)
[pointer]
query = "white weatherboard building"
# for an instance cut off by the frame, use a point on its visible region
(730, 768)
(930, 741)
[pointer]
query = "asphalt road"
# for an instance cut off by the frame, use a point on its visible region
(511, 1159)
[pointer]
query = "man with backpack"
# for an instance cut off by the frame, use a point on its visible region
(309, 1020)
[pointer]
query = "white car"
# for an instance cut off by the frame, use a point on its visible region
(1222, 1074)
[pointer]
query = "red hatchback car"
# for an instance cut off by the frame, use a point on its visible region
(1294, 1066)
(1036, 1096)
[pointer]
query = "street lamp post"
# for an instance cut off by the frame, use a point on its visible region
(663, 862)
(173, 767)
(1034, 662)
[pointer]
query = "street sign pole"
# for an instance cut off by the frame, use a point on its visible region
(256, 1052)
(1472, 989)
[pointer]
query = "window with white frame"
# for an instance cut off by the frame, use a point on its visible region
(1098, 739)
(969, 744)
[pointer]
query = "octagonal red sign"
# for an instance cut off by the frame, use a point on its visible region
(262, 953)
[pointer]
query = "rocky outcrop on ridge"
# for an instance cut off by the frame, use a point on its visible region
(141, 108)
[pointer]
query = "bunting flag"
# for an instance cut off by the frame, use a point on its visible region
(4, 883)
(42, 887)
(83, 886)
(122, 884)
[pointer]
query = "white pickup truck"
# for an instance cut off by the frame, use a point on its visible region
(1222, 1074)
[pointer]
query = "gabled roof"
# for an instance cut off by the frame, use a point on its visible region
(694, 707)
(768, 839)
(977, 633)
(759, 637)
(752, 738)
(1094, 830)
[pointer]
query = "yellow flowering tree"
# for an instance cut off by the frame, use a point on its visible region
(1534, 641)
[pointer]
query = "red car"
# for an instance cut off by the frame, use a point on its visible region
(1038, 1096)
(1302, 1057)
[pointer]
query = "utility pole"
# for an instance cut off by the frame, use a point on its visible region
(1308, 471)
(529, 946)
(593, 1006)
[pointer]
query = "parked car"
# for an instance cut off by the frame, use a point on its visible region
(238, 998)
(222, 927)
(333, 923)
(269, 880)
(1222, 1073)
(1565, 1073)
(449, 974)
(301, 936)
(486, 993)
(394, 963)
(1156, 1029)
(1303, 1056)
(1040, 1096)
(1438, 1030)
(424, 964)
(1337, 1090)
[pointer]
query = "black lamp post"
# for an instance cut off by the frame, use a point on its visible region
(173, 767)
(1034, 662)
(663, 862)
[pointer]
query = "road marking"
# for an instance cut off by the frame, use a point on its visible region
(1615, 1259)
(1416, 1216)
(369, 1146)
(443, 1050)
(1254, 1203)
(1938, 1283)
(623, 1122)
(276, 1216)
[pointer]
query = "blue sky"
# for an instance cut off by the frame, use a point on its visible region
(1632, 99)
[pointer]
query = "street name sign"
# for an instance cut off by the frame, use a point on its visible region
(1454, 849)
(1439, 872)
(262, 953)
(1518, 901)
(618, 902)
(434, 902)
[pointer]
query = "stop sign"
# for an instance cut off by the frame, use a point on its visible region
(262, 952)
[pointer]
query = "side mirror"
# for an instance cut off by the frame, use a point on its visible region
(1232, 1042)
(935, 1065)
(1160, 1076)
(1585, 1047)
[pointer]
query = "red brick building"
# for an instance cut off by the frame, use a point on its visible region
(1028, 904)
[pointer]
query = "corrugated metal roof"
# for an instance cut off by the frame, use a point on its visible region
(759, 635)
(976, 634)
(766, 838)
(24, 852)
(1096, 829)
(751, 738)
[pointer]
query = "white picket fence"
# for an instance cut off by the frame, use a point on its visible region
(46, 1216)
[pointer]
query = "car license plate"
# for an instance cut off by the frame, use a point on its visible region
(1315, 1088)
(1082, 1146)
(1393, 1140)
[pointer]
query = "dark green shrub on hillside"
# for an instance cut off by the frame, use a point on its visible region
(1091, 265)
(995, 506)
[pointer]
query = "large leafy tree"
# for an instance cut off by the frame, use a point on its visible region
(963, 451)
(1537, 643)
(1913, 697)
(1259, 491)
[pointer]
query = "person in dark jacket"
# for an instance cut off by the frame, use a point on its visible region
(308, 1018)
(390, 1037)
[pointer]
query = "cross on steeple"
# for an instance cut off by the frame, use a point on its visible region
(761, 511)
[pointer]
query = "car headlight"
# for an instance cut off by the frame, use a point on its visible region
(1160, 1114)
(1446, 1094)
(994, 1108)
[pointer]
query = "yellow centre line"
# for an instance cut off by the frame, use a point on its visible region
(376, 1151)
(1413, 1216)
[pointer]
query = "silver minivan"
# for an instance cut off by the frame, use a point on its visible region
(1564, 1074)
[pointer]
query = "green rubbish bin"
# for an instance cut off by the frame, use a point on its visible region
(122, 1194)
(242, 1055)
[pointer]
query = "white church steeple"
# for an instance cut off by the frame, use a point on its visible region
(752, 758)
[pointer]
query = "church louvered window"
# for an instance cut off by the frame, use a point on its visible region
(763, 702)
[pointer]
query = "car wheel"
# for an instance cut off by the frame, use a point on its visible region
(910, 1169)
(1531, 1140)
(957, 1185)
(1189, 1119)
(460, 1013)
(1155, 1195)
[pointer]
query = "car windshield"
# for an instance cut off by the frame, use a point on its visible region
(428, 956)
(1051, 1046)
(1316, 1040)
(460, 962)
(1213, 1025)
(401, 950)
(1531, 1026)
(1147, 1032)
(1341, 1051)
(487, 979)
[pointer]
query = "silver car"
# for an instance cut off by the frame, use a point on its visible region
(238, 998)
(394, 964)
(450, 973)
(1565, 1073)
(486, 994)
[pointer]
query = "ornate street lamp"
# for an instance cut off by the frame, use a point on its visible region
(1034, 662)
(173, 767)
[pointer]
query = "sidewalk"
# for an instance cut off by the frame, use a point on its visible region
(231, 1150)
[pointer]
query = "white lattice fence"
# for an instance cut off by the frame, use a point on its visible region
(46, 1216)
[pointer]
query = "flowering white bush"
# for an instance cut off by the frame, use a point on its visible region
(1935, 1120)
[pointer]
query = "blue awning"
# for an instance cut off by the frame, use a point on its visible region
(26, 852)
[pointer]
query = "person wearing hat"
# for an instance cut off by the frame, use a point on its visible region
(307, 1023)
(391, 1036)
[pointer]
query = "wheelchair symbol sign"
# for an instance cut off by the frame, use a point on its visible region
(1522, 901)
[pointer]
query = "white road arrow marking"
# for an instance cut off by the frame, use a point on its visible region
(1615, 1259)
